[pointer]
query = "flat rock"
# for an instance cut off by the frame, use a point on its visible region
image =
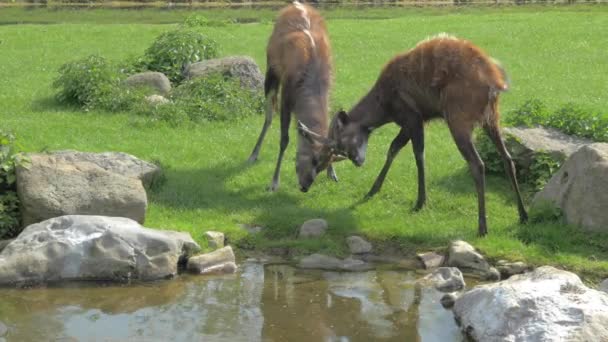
(580, 189)
(219, 261)
(153, 80)
(462, 255)
(313, 228)
(243, 68)
(523, 143)
(215, 239)
(358, 245)
(604, 285)
(324, 262)
(156, 100)
(546, 304)
(54, 185)
(508, 269)
(431, 260)
(445, 279)
(92, 248)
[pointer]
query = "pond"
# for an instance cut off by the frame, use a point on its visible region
(259, 303)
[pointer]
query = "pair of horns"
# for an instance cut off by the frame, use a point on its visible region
(315, 137)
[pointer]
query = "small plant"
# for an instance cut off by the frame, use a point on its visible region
(173, 50)
(9, 202)
(196, 20)
(541, 170)
(545, 211)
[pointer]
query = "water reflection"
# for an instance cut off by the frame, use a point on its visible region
(272, 303)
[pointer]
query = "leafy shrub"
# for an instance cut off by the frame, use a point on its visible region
(196, 20)
(570, 118)
(9, 202)
(211, 98)
(93, 82)
(172, 50)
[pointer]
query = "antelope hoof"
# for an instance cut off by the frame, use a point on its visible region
(483, 231)
(273, 187)
(252, 159)
(419, 205)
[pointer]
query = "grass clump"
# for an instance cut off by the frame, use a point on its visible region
(173, 50)
(10, 158)
(211, 98)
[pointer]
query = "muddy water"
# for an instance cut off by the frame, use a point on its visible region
(259, 303)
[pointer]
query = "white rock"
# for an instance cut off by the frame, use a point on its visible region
(544, 305)
(445, 279)
(431, 260)
(215, 239)
(462, 255)
(221, 260)
(313, 228)
(604, 286)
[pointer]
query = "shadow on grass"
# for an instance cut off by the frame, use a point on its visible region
(50, 104)
(281, 213)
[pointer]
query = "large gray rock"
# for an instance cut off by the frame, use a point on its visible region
(358, 245)
(462, 255)
(544, 305)
(580, 188)
(524, 143)
(53, 185)
(218, 261)
(80, 247)
(604, 285)
(313, 228)
(242, 67)
(153, 80)
(324, 262)
(445, 279)
(508, 269)
(4, 243)
(116, 162)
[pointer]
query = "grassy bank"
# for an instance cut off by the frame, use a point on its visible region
(556, 55)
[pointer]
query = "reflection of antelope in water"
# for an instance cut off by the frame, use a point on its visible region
(299, 61)
(444, 77)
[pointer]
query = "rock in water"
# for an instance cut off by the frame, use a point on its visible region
(218, 261)
(462, 255)
(544, 305)
(358, 245)
(445, 279)
(92, 248)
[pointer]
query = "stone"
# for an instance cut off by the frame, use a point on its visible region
(116, 162)
(580, 189)
(524, 143)
(242, 67)
(52, 185)
(448, 300)
(431, 260)
(156, 81)
(546, 304)
(445, 279)
(508, 269)
(3, 329)
(252, 228)
(215, 239)
(324, 262)
(313, 228)
(358, 245)
(219, 261)
(604, 285)
(462, 255)
(4, 243)
(92, 248)
(156, 100)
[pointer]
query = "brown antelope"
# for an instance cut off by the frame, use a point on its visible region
(442, 77)
(299, 62)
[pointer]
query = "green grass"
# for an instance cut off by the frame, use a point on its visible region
(556, 55)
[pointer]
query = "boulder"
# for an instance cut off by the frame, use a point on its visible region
(524, 143)
(462, 255)
(218, 261)
(156, 100)
(153, 80)
(358, 245)
(242, 67)
(4, 243)
(92, 248)
(214, 239)
(544, 305)
(313, 228)
(604, 285)
(508, 269)
(445, 279)
(53, 185)
(431, 260)
(580, 188)
(324, 262)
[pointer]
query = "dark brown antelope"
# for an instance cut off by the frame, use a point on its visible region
(299, 62)
(442, 77)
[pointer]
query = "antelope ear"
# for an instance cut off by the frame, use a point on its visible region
(341, 119)
(311, 136)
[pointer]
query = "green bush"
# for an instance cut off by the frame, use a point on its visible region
(211, 98)
(196, 20)
(172, 50)
(570, 118)
(9, 202)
